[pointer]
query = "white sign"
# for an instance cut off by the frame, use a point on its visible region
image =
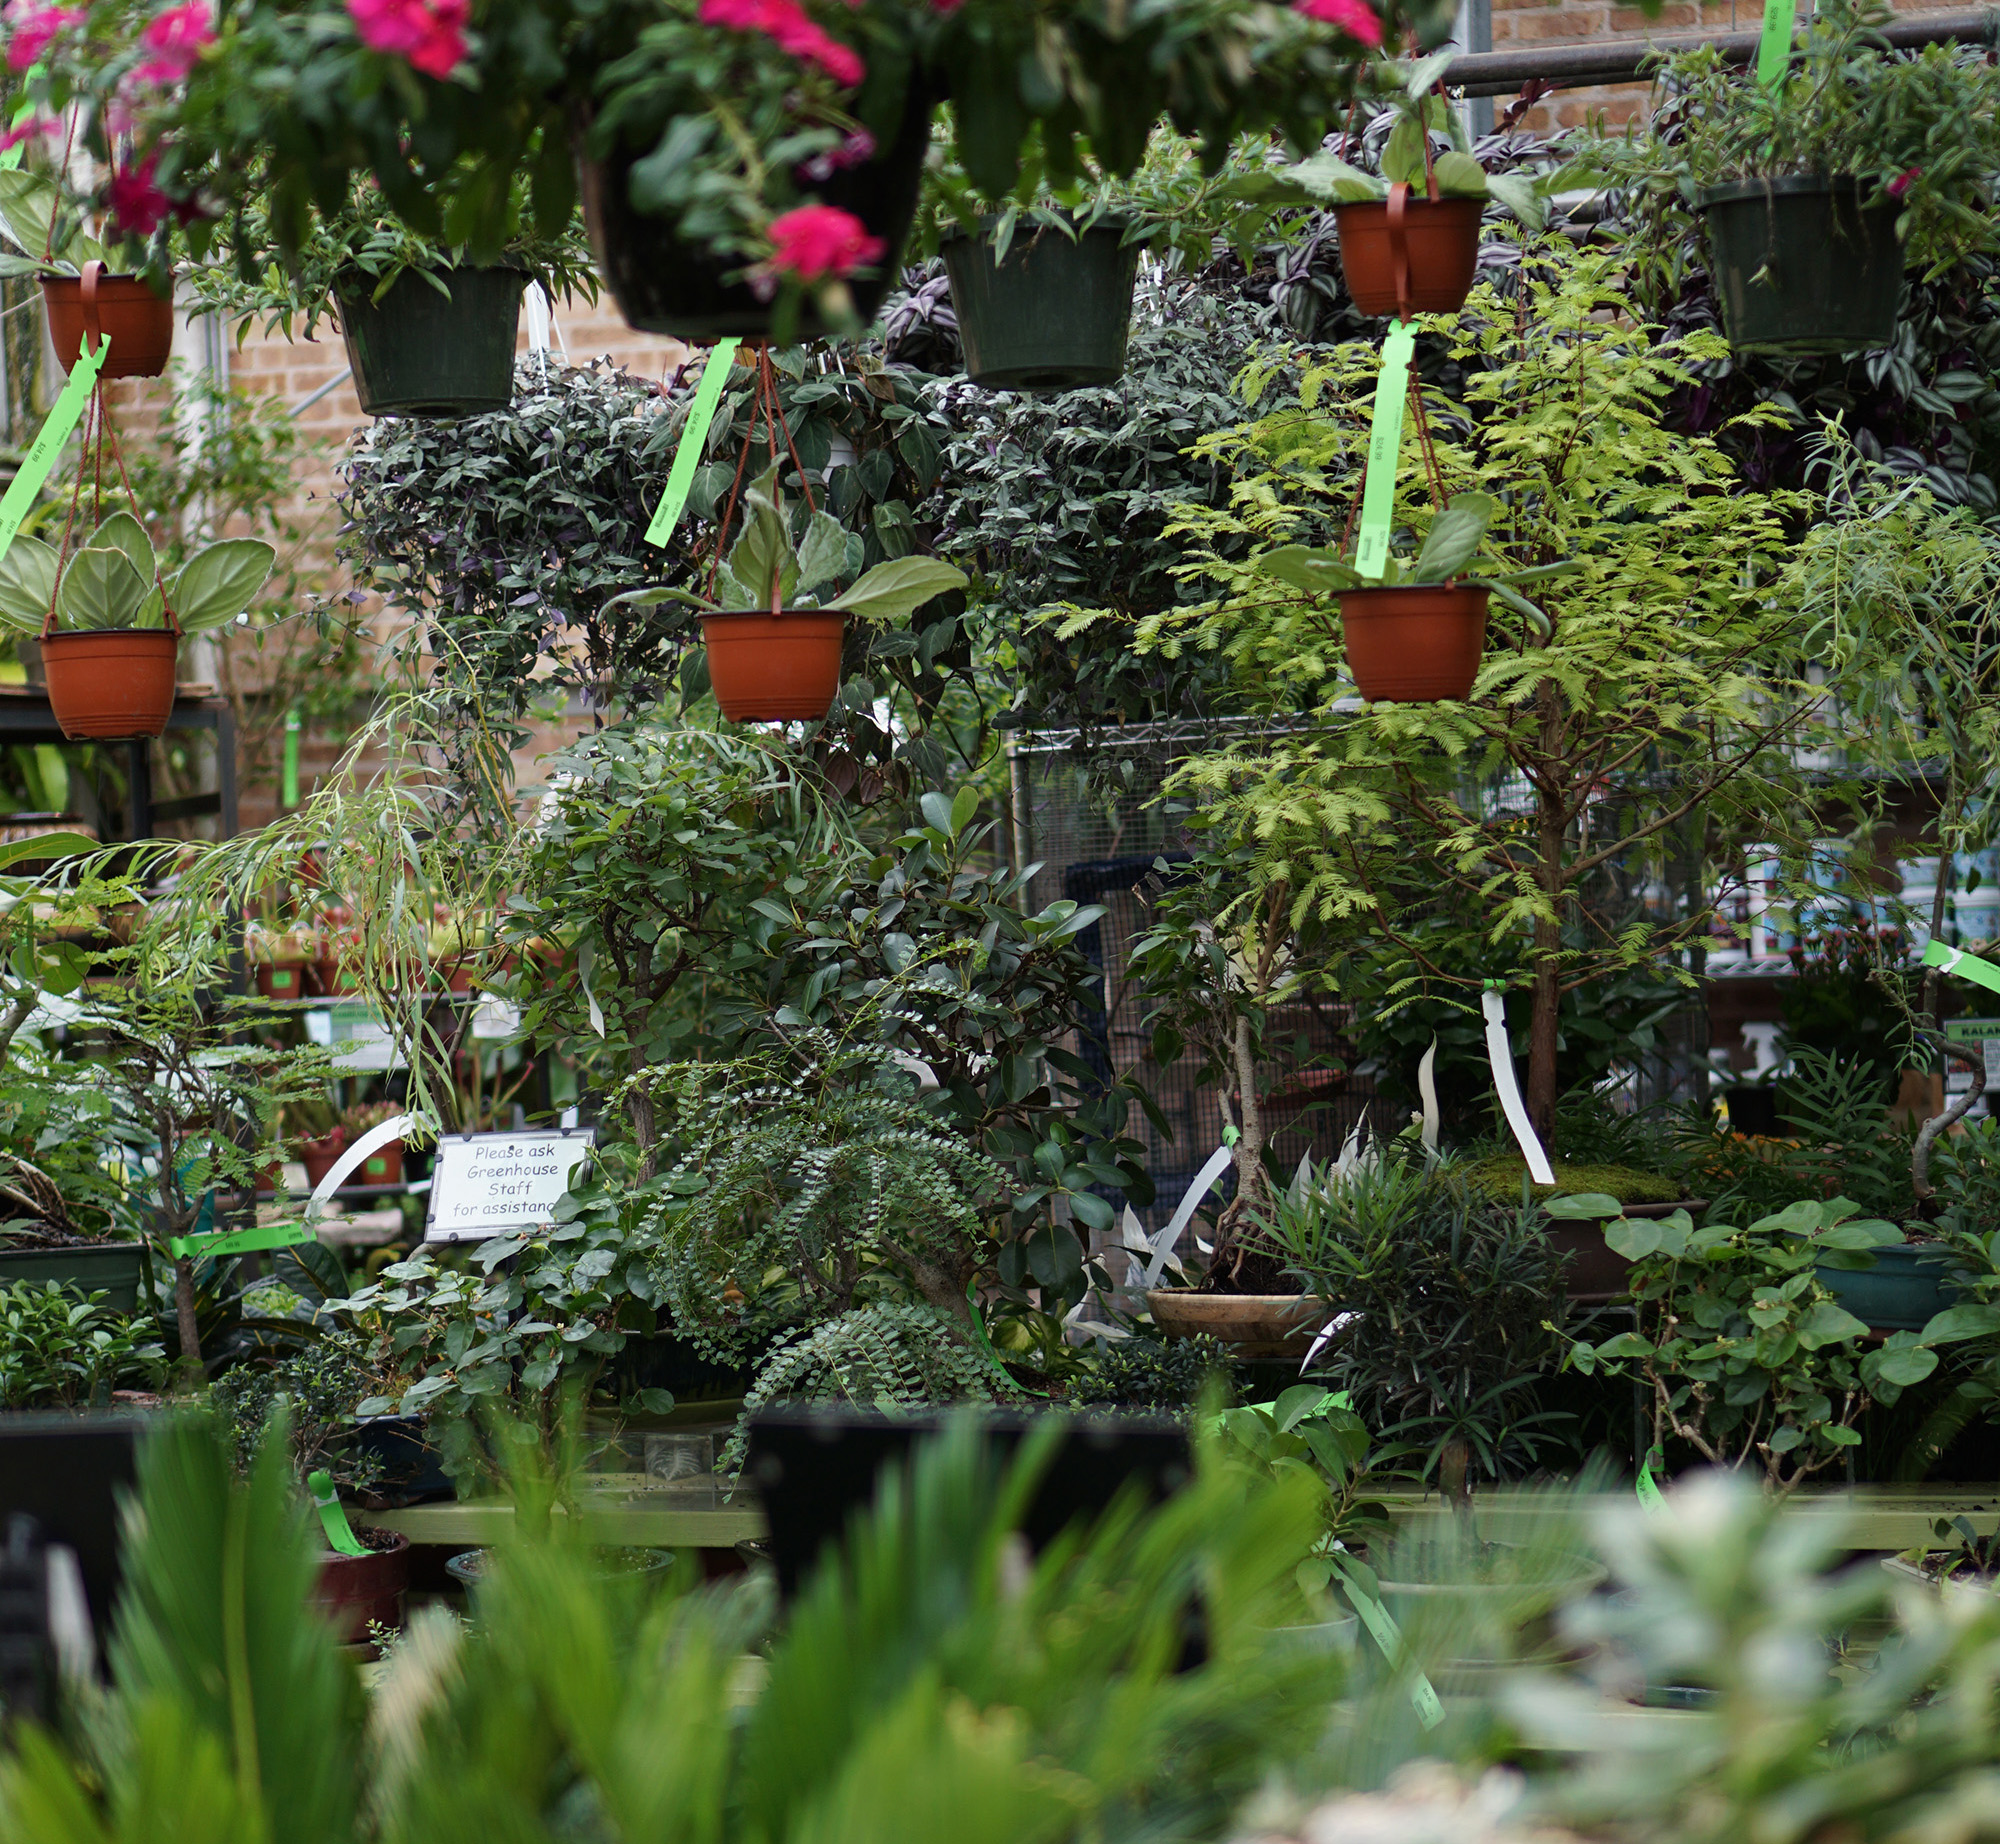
(488, 1184)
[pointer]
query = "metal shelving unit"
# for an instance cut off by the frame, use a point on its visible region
(26, 717)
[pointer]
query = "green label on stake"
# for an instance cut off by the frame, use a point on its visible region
(40, 460)
(1385, 448)
(1650, 1494)
(294, 723)
(1966, 966)
(1774, 47)
(332, 1519)
(1374, 1616)
(687, 457)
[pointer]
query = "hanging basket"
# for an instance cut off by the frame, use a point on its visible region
(1419, 644)
(1409, 255)
(111, 684)
(96, 303)
(662, 286)
(775, 668)
(1800, 267)
(1051, 315)
(417, 352)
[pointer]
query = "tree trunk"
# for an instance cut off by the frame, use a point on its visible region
(192, 1373)
(645, 1132)
(1252, 1187)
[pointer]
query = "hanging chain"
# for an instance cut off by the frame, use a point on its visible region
(764, 403)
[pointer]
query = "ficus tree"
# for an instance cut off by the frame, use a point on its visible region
(1639, 708)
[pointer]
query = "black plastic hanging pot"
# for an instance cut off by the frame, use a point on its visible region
(417, 352)
(1050, 315)
(1800, 267)
(661, 285)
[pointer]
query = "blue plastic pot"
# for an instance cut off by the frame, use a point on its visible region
(1903, 1292)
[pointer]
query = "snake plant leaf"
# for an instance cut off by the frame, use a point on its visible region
(823, 555)
(1316, 572)
(899, 587)
(102, 588)
(122, 532)
(27, 584)
(1454, 538)
(217, 583)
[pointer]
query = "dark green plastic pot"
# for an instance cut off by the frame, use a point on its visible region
(1905, 1289)
(1051, 315)
(110, 1268)
(418, 353)
(1799, 267)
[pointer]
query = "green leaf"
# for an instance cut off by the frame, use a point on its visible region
(100, 589)
(1460, 175)
(963, 808)
(1829, 1324)
(823, 555)
(1518, 192)
(1904, 1367)
(1403, 155)
(27, 203)
(899, 587)
(1316, 572)
(1957, 1322)
(1331, 179)
(47, 845)
(1584, 1206)
(27, 584)
(217, 583)
(1454, 538)
(1633, 1237)
(122, 532)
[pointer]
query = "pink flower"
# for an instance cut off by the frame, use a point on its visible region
(430, 33)
(1901, 183)
(818, 241)
(27, 131)
(174, 39)
(1358, 20)
(136, 203)
(786, 24)
(33, 28)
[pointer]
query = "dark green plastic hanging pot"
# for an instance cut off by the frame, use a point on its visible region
(1052, 314)
(417, 352)
(1800, 267)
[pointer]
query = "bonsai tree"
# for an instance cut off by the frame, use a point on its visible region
(1639, 709)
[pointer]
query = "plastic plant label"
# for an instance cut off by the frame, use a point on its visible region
(1648, 1489)
(1774, 46)
(1500, 1054)
(1375, 1617)
(1966, 966)
(1385, 449)
(239, 1241)
(294, 723)
(687, 456)
(40, 460)
(332, 1518)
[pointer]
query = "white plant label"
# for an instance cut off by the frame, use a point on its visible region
(491, 1184)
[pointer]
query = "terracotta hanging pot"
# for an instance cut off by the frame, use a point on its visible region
(1409, 255)
(93, 304)
(774, 668)
(110, 684)
(1417, 644)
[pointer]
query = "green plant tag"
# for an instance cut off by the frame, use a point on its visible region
(294, 723)
(1385, 448)
(1375, 1617)
(1774, 48)
(687, 456)
(1966, 966)
(332, 1519)
(1649, 1492)
(40, 460)
(239, 1241)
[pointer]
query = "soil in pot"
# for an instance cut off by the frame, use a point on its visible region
(662, 286)
(139, 322)
(1053, 314)
(781, 668)
(358, 1592)
(1440, 243)
(1415, 644)
(469, 1566)
(417, 352)
(111, 684)
(1800, 267)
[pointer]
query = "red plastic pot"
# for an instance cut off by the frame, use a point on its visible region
(774, 668)
(1409, 255)
(320, 1156)
(357, 1592)
(111, 684)
(384, 1166)
(282, 979)
(140, 323)
(1419, 644)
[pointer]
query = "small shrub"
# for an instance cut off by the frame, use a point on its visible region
(61, 1350)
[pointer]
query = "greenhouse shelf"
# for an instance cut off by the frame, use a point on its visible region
(666, 1525)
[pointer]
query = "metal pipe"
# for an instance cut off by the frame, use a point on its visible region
(1584, 66)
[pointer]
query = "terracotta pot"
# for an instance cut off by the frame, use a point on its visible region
(282, 979)
(384, 1166)
(778, 668)
(1256, 1324)
(139, 322)
(1419, 644)
(1420, 265)
(356, 1592)
(319, 1157)
(269, 1179)
(1597, 1273)
(111, 684)
(332, 979)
